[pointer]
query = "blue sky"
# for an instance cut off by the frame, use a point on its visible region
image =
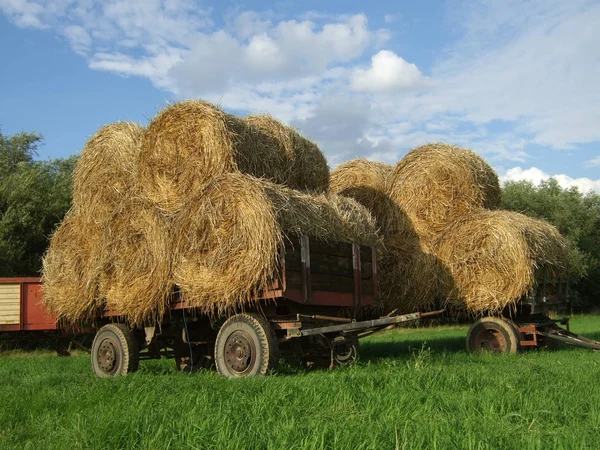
(516, 81)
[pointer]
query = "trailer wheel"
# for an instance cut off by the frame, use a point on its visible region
(246, 346)
(345, 350)
(114, 351)
(493, 334)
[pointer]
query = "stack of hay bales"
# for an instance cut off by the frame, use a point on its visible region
(444, 237)
(110, 249)
(198, 201)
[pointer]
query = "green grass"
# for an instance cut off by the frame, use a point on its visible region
(413, 388)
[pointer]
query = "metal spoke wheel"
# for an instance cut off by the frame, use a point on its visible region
(344, 350)
(246, 346)
(114, 351)
(493, 334)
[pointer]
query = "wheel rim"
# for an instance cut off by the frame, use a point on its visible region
(240, 353)
(343, 352)
(108, 356)
(491, 339)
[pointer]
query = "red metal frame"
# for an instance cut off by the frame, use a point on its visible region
(33, 316)
(306, 295)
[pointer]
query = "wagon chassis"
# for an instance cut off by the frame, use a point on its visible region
(548, 330)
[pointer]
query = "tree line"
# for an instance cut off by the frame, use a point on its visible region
(36, 194)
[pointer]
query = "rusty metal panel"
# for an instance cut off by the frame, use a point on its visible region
(10, 304)
(34, 314)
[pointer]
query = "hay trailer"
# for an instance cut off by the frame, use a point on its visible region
(529, 325)
(311, 312)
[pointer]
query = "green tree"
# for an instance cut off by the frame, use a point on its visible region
(577, 217)
(34, 197)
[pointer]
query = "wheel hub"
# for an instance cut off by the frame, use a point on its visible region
(491, 340)
(107, 356)
(240, 354)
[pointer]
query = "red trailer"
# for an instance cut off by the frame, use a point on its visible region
(21, 308)
(314, 310)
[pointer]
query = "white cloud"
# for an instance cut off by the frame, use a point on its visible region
(595, 162)
(24, 13)
(388, 72)
(535, 64)
(390, 18)
(536, 176)
(515, 74)
(79, 39)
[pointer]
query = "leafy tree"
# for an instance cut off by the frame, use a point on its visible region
(34, 197)
(577, 217)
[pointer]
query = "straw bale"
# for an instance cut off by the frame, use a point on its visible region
(71, 269)
(407, 273)
(189, 144)
(436, 184)
(548, 249)
(325, 217)
(226, 239)
(492, 257)
(107, 169)
(228, 236)
(307, 166)
(137, 280)
(367, 183)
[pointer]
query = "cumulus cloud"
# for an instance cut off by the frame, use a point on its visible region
(536, 176)
(388, 72)
(288, 50)
(531, 66)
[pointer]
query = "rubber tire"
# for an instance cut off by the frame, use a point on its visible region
(507, 328)
(264, 340)
(128, 354)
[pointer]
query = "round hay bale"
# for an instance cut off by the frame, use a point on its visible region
(307, 166)
(326, 217)
(71, 269)
(408, 281)
(190, 143)
(367, 183)
(137, 280)
(492, 256)
(226, 239)
(547, 247)
(437, 184)
(107, 169)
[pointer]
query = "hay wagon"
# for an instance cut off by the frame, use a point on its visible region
(317, 308)
(529, 324)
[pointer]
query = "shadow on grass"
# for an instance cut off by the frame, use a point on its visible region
(374, 350)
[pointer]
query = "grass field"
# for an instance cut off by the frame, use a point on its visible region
(413, 388)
